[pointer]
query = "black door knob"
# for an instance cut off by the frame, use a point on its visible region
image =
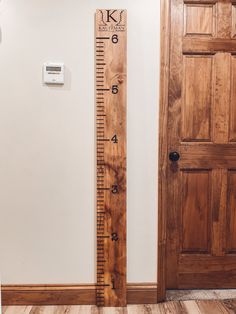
(174, 156)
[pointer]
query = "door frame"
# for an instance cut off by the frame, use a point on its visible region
(163, 148)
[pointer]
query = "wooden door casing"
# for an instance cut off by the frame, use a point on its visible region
(201, 126)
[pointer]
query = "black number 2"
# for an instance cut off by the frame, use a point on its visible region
(114, 236)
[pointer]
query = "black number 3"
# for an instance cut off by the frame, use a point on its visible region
(114, 189)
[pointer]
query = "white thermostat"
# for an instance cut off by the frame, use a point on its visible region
(53, 73)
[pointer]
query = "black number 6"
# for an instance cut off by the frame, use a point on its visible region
(114, 39)
(115, 89)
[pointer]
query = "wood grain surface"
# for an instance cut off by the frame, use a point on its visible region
(163, 149)
(200, 193)
(172, 307)
(111, 78)
(137, 293)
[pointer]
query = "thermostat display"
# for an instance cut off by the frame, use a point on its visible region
(53, 73)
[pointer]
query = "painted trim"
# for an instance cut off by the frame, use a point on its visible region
(141, 293)
(163, 148)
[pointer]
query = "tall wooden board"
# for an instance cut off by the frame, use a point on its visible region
(111, 76)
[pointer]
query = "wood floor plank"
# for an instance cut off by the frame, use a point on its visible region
(52, 309)
(85, 309)
(144, 309)
(191, 307)
(17, 309)
(76, 309)
(230, 305)
(113, 310)
(37, 310)
(170, 307)
(215, 307)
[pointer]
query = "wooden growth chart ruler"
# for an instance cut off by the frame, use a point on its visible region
(111, 81)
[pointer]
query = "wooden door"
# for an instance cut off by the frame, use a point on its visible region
(201, 208)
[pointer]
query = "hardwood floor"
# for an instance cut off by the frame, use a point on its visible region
(210, 294)
(172, 307)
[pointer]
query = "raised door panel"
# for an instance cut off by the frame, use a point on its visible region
(232, 131)
(199, 19)
(196, 208)
(234, 21)
(223, 15)
(231, 213)
(197, 98)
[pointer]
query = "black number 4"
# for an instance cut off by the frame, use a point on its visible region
(114, 139)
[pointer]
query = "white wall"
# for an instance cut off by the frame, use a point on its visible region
(47, 214)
